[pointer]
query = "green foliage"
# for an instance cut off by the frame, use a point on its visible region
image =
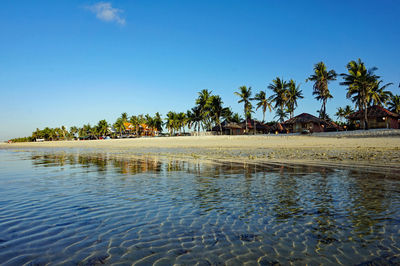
(244, 95)
(263, 102)
(394, 104)
(321, 78)
(360, 83)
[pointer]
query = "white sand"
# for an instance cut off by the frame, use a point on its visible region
(334, 149)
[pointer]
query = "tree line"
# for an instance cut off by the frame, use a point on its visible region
(364, 88)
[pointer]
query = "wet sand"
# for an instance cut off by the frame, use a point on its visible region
(377, 150)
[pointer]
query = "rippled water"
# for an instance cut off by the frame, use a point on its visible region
(89, 209)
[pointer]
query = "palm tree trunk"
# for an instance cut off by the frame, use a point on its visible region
(245, 116)
(365, 115)
(220, 127)
(263, 116)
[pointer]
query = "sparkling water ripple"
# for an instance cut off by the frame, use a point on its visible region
(76, 208)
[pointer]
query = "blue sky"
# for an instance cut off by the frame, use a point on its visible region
(73, 62)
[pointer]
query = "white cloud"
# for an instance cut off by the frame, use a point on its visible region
(104, 11)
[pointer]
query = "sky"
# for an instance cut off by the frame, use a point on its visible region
(70, 62)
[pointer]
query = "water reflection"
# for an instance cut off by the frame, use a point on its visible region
(150, 209)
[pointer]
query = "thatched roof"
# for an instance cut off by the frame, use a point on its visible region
(307, 118)
(304, 118)
(276, 127)
(373, 112)
(233, 125)
(227, 125)
(250, 125)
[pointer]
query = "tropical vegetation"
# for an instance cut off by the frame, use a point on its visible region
(363, 87)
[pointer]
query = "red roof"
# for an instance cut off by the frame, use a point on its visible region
(373, 112)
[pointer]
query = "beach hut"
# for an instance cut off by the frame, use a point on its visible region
(378, 117)
(261, 128)
(229, 128)
(306, 122)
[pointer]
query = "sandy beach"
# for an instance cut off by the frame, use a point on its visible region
(373, 149)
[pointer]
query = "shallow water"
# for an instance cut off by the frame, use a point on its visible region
(86, 208)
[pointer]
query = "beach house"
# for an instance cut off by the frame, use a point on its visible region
(308, 123)
(378, 117)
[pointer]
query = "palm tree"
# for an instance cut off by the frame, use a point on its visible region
(73, 130)
(170, 122)
(119, 125)
(216, 109)
(279, 89)
(344, 112)
(236, 118)
(245, 93)
(281, 114)
(124, 117)
(394, 104)
(181, 121)
(359, 82)
(263, 102)
(102, 127)
(194, 118)
(150, 123)
(134, 120)
(59, 132)
(227, 114)
(292, 95)
(201, 103)
(279, 97)
(378, 95)
(321, 78)
(158, 122)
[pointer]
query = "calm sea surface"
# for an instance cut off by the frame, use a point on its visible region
(66, 207)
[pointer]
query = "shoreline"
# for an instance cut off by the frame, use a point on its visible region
(380, 154)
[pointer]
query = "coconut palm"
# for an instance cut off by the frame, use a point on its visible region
(201, 103)
(378, 95)
(119, 125)
(134, 120)
(359, 82)
(279, 89)
(194, 118)
(245, 93)
(124, 117)
(236, 118)
(149, 121)
(321, 78)
(263, 102)
(170, 122)
(72, 131)
(394, 104)
(227, 114)
(215, 106)
(102, 127)
(158, 122)
(180, 121)
(293, 93)
(344, 112)
(281, 114)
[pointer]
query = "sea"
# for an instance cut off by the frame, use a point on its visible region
(74, 207)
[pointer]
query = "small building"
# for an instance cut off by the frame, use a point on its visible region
(261, 128)
(142, 129)
(233, 128)
(307, 122)
(378, 117)
(229, 128)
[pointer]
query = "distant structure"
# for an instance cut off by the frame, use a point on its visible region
(378, 117)
(309, 123)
